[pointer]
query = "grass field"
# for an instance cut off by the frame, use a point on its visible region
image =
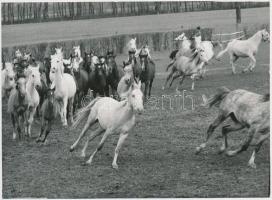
(158, 158)
(222, 21)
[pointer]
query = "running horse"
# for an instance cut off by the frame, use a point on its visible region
(112, 116)
(114, 72)
(148, 71)
(245, 49)
(8, 79)
(247, 110)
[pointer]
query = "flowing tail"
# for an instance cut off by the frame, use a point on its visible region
(216, 99)
(84, 112)
(221, 53)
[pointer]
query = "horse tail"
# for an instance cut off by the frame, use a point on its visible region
(221, 53)
(216, 99)
(173, 54)
(84, 112)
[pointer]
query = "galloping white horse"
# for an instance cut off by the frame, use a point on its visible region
(113, 116)
(245, 48)
(33, 80)
(8, 79)
(65, 87)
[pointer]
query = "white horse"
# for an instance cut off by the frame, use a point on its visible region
(185, 49)
(33, 80)
(245, 49)
(65, 87)
(188, 66)
(113, 116)
(8, 79)
(59, 52)
(125, 82)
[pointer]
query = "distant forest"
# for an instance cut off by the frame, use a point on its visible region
(14, 13)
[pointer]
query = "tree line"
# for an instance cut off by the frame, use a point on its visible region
(13, 13)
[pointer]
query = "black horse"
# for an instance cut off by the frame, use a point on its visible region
(114, 74)
(148, 72)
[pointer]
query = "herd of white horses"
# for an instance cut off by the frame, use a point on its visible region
(246, 109)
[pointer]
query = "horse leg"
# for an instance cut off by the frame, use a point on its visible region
(174, 77)
(42, 130)
(253, 63)
(167, 79)
(47, 130)
(93, 135)
(91, 121)
(227, 129)
(145, 91)
(64, 114)
(150, 86)
(30, 119)
(193, 77)
(13, 120)
(245, 144)
(233, 58)
(180, 83)
(212, 127)
(170, 64)
(251, 161)
(121, 140)
(71, 108)
(105, 136)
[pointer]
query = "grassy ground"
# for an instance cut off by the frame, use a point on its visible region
(222, 21)
(157, 159)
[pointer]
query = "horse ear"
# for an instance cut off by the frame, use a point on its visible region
(139, 84)
(135, 39)
(124, 63)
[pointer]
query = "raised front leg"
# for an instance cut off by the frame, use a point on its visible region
(71, 108)
(121, 140)
(65, 102)
(32, 111)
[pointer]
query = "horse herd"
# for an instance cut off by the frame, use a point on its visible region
(58, 85)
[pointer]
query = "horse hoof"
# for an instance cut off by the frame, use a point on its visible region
(71, 149)
(14, 136)
(114, 166)
(252, 165)
(163, 88)
(198, 149)
(82, 155)
(38, 140)
(230, 153)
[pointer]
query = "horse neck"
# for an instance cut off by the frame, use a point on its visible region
(30, 87)
(58, 79)
(256, 38)
(127, 109)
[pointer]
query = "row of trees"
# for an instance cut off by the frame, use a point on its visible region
(44, 11)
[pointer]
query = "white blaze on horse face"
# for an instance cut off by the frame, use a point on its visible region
(35, 76)
(27, 56)
(77, 51)
(21, 86)
(136, 97)
(56, 63)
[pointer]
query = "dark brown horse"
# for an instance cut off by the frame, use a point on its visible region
(49, 112)
(98, 80)
(137, 70)
(115, 73)
(148, 72)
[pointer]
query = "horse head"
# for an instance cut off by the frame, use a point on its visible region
(58, 50)
(136, 97)
(203, 56)
(265, 35)
(131, 45)
(33, 76)
(56, 64)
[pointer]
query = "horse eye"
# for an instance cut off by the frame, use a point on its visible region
(133, 96)
(32, 75)
(11, 79)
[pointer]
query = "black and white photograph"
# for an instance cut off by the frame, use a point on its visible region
(135, 99)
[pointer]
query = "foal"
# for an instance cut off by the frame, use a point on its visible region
(247, 110)
(113, 116)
